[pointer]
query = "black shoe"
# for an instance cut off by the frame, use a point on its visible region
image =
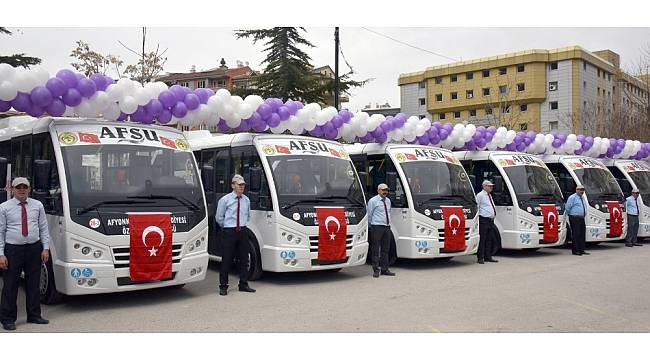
(375, 273)
(223, 291)
(637, 244)
(9, 326)
(480, 261)
(629, 245)
(38, 320)
(246, 288)
(585, 253)
(578, 254)
(388, 273)
(491, 260)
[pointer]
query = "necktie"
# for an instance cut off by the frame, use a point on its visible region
(584, 209)
(24, 220)
(385, 210)
(492, 203)
(636, 205)
(237, 229)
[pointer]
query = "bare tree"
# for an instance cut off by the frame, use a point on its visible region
(91, 62)
(149, 65)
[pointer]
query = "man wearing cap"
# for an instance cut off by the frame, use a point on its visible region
(232, 215)
(576, 209)
(24, 245)
(488, 232)
(380, 233)
(632, 209)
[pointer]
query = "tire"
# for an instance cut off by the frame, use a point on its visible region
(254, 261)
(593, 243)
(176, 287)
(47, 286)
(530, 250)
(392, 253)
(444, 259)
(333, 270)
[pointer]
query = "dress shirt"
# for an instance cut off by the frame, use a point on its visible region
(376, 212)
(485, 205)
(632, 206)
(575, 205)
(11, 225)
(226, 214)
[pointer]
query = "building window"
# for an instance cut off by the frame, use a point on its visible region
(469, 94)
(553, 66)
(438, 97)
(456, 114)
(503, 71)
(523, 126)
(201, 84)
(523, 107)
(552, 125)
(552, 86)
(486, 73)
(472, 113)
(503, 89)
(505, 109)
(521, 87)
(609, 77)
(486, 91)
(521, 68)
(469, 76)
(185, 83)
(439, 80)
(423, 101)
(454, 95)
(584, 85)
(488, 111)
(584, 65)
(454, 78)
(598, 91)
(422, 84)
(422, 117)
(442, 116)
(553, 105)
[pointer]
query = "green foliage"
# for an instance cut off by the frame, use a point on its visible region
(16, 60)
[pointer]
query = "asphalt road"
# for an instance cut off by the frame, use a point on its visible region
(546, 291)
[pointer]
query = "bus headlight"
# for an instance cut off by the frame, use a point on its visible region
(97, 254)
(92, 282)
(85, 250)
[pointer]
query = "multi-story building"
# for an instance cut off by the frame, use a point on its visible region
(565, 89)
(326, 74)
(222, 77)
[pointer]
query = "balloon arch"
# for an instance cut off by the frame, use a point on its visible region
(72, 94)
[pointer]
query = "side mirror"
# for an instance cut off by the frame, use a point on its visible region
(391, 180)
(498, 184)
(255, 179)
(207, 177)
(42, 175)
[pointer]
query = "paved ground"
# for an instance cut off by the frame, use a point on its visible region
(546, 291)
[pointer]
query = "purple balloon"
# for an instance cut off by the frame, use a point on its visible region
(274, 103)
(178, 92)
(35, 111)
(328, 127)
(68, 77)
(511, 147)
(179, 110)
(122, 116)
(345, 115)
(621, 143)
(86, 87)
(5, 105)
(317, 132)
(377, 132)
(521, 147)
(291, 106)
(265, 110)
(330, 133)
(41, 96)
(259, 126)
(481, 143)
(337, 121)
(100, 81)
(386, 126)
(443, 134)
(578, 152)
(108, 80)
(21, 102)
(243, 126)
(167, 98)
(435, 139)
(366, 138)
(557, 143)
(424, 139)
(192, 101)
(284, 112)
(382, 139)
(72, 97)
(589, 140)
(203, 95)
(56, 107)
(273, 120)
(79, 76)
(56, 86)
(138, 115)
(223, 126)
(165, 116)
(147, 118)
(154, 107)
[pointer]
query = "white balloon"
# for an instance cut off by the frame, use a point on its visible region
(8, 90)
(85, 109)
(152, 90)
(141, 97)
(321, 118)
(246, 110)
(115, 92)
(101, 100)
(24, 80)
(173, 121)
(128, 105)
(112, 112)
(223, 95)
(126, 84)
(7, 72)
(41, 75)
(161, 86)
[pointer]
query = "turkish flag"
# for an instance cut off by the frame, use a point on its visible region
(332, 232)
(89, 138)
(454, 228)
(551, 223)
(168, 142)
(615, 218)
(151, 246)
(411, 157)
(335, 153)
(282, 149)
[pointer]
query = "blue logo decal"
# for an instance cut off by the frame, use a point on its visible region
(424, 244)
(524, 236)
(418, 244)
(291, 254)
(75, 273)
(283, 254)
(647, 228)
(594, 231)
(87, 272)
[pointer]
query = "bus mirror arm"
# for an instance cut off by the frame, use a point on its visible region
(391, 180)
(255, 179)
(363, 177)
(207, 177)
(42, 176)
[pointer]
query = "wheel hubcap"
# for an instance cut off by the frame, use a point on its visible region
(44, 279)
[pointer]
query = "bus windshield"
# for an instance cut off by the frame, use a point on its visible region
(311, 179)
(599, 183)
(436, 181)
(118, 175)
(642, 181)
(534, 184)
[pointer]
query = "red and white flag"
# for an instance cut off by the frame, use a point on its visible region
(551, 223)
(89, 138)
(151, 246)
(168, 142)
(332, 232)
(615, 218)
(454, 228)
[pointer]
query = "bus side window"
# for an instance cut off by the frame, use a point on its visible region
(564, 179)
(44, 150)
(244, 158)
(222, 173)
(486, 170)
(397, 196)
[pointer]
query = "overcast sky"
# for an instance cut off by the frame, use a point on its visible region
(371, 55)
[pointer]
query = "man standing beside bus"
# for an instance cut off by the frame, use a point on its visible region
(575, 208)
(488, 232)
(632, 209)
(24, 245)
(380, 233)
(232, 215)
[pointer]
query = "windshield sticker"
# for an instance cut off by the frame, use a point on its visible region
(424, 154)
(301, 147)
(585, 163)
(105, 134)
(519, 160)
(94, 223)
(635, 166)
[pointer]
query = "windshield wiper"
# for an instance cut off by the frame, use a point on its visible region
(303, 201)
(445, 197)
(110, 202)
(356, 201)
(180, 199)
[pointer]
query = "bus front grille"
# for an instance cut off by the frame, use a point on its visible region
(121, 255)
(313, 243)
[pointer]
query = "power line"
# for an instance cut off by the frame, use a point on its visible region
(409, 45)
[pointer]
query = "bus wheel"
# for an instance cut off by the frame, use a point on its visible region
(392, 253)
(530, 250)
(47, 288)
(254, 261)
(444, 259)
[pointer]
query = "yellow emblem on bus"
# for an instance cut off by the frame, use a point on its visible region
(268, 149)
(67, 138)
(400, 157)
(182, 144)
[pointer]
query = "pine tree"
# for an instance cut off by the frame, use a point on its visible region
(16, 60)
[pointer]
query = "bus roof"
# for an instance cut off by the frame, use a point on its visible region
(484, 155)
(202, 139)
(374, 148)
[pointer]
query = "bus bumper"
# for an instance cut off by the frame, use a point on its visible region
(285, 259)
(429, 248)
